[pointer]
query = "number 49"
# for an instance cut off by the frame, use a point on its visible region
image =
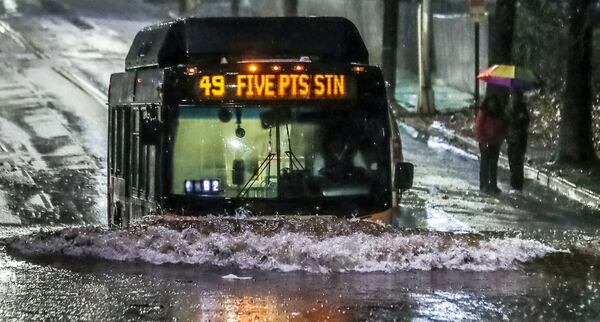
(213, 85)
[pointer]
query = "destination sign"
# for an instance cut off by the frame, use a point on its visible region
(275, 86)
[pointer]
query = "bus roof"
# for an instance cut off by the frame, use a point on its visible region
(193, 40)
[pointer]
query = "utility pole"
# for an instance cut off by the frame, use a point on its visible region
(290, 8)
(425, 103)
(477, 13)
(502, 26)
(476, 91)
(390, 45)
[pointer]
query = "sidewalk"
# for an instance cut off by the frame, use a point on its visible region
(582, 186)
(447, 99)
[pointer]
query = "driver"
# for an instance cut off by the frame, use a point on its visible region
(340, 147)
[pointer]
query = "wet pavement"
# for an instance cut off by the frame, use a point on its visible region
(459, 255)
(50, 160)
(446, 196)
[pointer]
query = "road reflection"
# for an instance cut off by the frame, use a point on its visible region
(101, 290)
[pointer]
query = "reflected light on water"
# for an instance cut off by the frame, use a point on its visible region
(439, 220)
(269, 308)
(250, 309)
(447, 306)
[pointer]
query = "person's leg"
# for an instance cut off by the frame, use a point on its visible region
(494, 153)
(519, 177)
(518, 181)
(513, 162)
(484, 177)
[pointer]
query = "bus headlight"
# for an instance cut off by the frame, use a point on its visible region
(188, 186)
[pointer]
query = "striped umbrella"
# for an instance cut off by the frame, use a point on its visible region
(510, 76)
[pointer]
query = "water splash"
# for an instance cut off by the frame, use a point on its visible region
(316, 245)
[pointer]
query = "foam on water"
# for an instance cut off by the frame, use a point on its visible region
(354, 248)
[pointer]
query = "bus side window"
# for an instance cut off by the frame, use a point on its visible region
(135, 147)
(111, 132)
(150, 170)
(126, 158)
(143, 163)
(119, 139)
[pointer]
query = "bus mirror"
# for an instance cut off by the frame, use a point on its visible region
(403, 176)
(150, 131)
(225, 115)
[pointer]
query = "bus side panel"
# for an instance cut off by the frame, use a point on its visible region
(110, 167)
(120, 97)
(119, 181)
(152, 173)
(395, 155)
(148, 86)
(121, 90)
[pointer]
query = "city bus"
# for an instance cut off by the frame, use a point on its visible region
(272, 116)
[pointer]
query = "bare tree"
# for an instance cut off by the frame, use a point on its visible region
(390, 43)
(575, 145)
(501, 29)
(235, 8)
(185, 7)
(290, 8)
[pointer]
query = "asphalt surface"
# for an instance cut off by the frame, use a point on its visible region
(56, 59)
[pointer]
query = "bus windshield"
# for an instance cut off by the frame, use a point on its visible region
(275, 151)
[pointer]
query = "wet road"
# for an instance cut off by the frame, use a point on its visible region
(52, 143)
(82, 288)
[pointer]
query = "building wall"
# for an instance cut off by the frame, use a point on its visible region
(367, 15)
(454, 53)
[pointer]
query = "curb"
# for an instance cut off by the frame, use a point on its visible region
(546, 179)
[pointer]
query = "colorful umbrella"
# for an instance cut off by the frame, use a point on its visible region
(510, 76)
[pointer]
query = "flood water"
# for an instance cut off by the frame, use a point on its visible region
(215, 269)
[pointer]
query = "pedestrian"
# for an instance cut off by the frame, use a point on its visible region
(518, 123)
(490, 131)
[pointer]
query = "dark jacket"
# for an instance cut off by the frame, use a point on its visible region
(518, 121)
